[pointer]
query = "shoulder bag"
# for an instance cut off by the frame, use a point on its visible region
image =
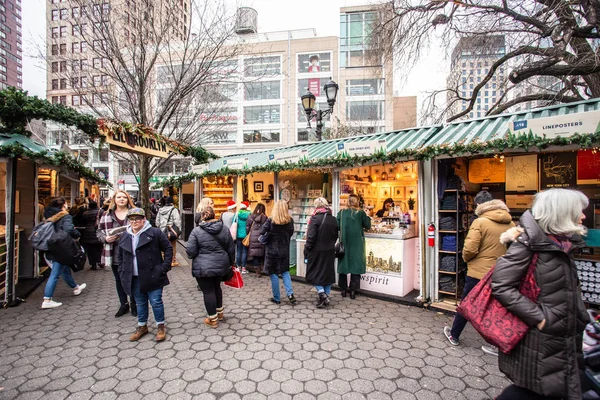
(492, 320)
(339, 245)
(172, 231)
(246, 241)
(234, 227)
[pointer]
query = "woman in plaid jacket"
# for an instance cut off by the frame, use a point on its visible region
(114, 217)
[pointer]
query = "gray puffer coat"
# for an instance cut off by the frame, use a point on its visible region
(211, 248)
(548, 362)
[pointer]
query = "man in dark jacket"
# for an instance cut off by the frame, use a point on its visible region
(57, 213)
(89, 240)
(143, 270)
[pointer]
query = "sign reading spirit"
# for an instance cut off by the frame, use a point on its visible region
(560, 125)
(236, 163)
(138, 143)
(290, 157)
(364, 148)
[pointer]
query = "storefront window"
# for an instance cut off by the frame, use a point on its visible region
(262, 90)
(262, 66)
(365, 110)
(261, 115)
(262, 135)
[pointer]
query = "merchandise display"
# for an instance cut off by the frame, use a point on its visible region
(220, 190)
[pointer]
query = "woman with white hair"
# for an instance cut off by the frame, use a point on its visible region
(319, 251)
(548, 361)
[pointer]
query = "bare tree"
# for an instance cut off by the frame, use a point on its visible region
(544, 38)
(142, 63)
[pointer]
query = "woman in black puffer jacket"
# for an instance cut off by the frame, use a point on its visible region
(254, 223)
(548, 362)
(212, 250)
(89, 240)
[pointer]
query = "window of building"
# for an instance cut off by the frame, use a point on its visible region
(63, 100)
(84, 82)
(97, 63)
(63, 31)
(105, 80)
(75, 12)
(54, 99)
(364, 87)
(54, 84)
(76, 30)
(365, 110)
(55, 66)
(64, 13)
(75, 82)
(262, 90)
(262, 135)
(355, 29)
(63, 66)
(302, 115)
(269, 114)
(96, 80)
(83, 47)
(55, 15)
(96, 99)
(75, 65)
(262, 66)
(63, 83)
(63, 49)
(54, 49)
(55, 32)
(75, 47)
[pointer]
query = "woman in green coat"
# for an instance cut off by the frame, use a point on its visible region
(352, 222)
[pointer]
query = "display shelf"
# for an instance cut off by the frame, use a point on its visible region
(220, 193)
(448, 293)
(3, 258)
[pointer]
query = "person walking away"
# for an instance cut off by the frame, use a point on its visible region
(352, 222)
(205, 202)
(143, 270)
(481, 250)
(279, 230)
(548, 361)
(228, 216)
(167, 217)
(319, 250)
(254, 223)
(153, 211)
(115, 217)
(241, 255)
(57, 212)
(212, 250)
(89, 240)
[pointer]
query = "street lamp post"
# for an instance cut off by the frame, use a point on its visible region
(308, 103)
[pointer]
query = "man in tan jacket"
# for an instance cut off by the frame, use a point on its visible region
(481, 250)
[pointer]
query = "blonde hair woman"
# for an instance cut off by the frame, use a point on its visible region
(115, 217)
(277, 232)
(204, 203)
(352, 222)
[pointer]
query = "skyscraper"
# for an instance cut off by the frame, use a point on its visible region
(11, 73)
(471, 61)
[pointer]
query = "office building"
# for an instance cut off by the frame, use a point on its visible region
(11, 72)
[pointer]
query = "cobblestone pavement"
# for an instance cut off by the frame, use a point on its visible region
(356, 349)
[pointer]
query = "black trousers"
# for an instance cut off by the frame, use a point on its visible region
(514, 392)
(354, 281)
(94, 253)
(213, 295)
(120, 291)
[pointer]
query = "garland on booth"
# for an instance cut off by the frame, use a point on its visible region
(527, 142)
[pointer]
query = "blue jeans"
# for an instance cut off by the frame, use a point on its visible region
(142, 299)
(287, 283)
(323, 289)
(58, 270)
(459, 321)
(241, 255)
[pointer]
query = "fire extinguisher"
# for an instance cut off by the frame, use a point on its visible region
(431, 235)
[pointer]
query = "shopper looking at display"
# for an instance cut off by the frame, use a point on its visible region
(256, 250)
(242, 251)
(388, 204)
(228, 216)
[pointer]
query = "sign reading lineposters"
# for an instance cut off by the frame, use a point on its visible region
(138, 143)
(364, 148)
(560, 125)
(290, 157)
(236, 163)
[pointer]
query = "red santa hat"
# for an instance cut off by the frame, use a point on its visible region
(231, 204)
(244, 204)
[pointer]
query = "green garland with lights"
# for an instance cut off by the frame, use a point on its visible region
(527, 142)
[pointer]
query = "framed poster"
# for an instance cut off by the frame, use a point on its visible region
(398, 192)
(588, 167)
(484, 170)
(314, 62)
(521, 173)
(558, 170)
(519, 201)
(385, 192)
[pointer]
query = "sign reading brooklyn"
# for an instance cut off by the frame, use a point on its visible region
(137, 143)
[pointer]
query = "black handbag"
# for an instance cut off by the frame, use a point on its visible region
(339, 245)
(172, 232)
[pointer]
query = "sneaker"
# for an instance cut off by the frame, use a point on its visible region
(244, 270)
(139, 332)
(79, 289)
(51, 304)
(292, 298)
(491, 350)
(448, 335)
(272, 300)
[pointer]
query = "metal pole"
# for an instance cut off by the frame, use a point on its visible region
(11, 185)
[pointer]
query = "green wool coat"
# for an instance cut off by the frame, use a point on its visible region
(352, 225)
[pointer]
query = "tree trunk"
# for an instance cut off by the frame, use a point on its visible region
(144, 195)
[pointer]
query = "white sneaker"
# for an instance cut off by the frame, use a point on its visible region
(77, 291)
(491, 350)
(51, 304)
(244, 270)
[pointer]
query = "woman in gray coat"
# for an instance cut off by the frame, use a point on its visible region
(212, 250)
(548, 361)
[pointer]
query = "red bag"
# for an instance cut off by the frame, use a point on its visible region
(236, 281)
(496, 324)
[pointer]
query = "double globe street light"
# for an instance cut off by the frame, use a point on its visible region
(308, 103)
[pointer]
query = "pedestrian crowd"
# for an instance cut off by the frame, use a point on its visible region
(546, 363)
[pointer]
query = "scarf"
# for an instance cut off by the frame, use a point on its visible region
(107, 222)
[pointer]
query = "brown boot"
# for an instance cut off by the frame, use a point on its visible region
(211, 321)
(162, 333)
(220, 315)
(139, 332)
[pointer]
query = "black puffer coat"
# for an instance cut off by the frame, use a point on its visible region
(548, 362)
(211, 248)
(254, 224)
(320, 249)
(277, 249)
(88, 221)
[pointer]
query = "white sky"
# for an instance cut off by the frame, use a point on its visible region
(273, 15)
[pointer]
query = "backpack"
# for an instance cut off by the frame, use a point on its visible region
(65, 249)
(40, 235)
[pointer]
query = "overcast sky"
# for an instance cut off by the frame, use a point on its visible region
(273, 15)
